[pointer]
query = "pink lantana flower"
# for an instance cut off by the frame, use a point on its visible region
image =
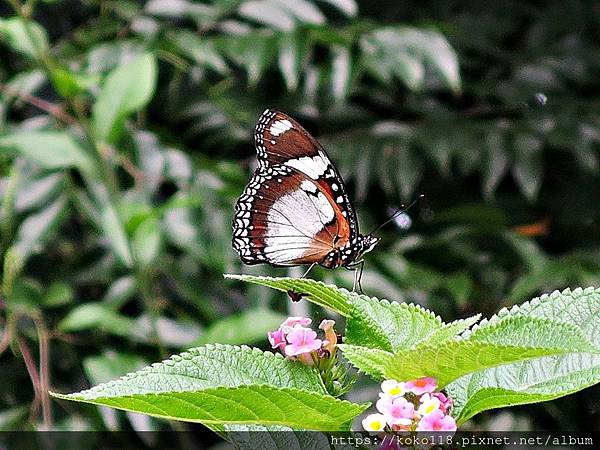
(437, 421)
(289, 323)
(302, 340)
(421, 385)
(445, 402)
(397, 411)
(429, 404)
(277, 339)
(393, 388)
(374, 422)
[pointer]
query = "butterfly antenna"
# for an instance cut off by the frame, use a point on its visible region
(399, 211)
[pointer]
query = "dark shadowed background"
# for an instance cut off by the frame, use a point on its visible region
(491, 109)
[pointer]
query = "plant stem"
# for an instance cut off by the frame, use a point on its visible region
(44, 352)
(33, 375)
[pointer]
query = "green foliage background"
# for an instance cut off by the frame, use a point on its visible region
(125, 139)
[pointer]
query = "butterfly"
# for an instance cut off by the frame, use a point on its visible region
(295, 210)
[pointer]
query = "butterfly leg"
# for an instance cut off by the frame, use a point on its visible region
(308, 270)
(357, 276)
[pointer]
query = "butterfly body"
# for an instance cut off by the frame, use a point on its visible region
(295, 209)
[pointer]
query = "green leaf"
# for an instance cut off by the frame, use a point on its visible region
(96, 316)
(272, 437)
(49, 149)
(212, 366)
(115, 232)
(371, 361)
(36, 192)
(544, 378)
(507, 342)
(382, 324)
(341, 72)
(579, 308)
(533, 381)
(389, 326)
(247, 327)
(37, 229)
(303, 10)
(292, 53)
(127, 89)
(495, 164)
(219, 384)
(348, 7)
(402, 52)
(25, 36)
(317, 292)
(528, 167)
(253, 52)
(69, 84)
(11, 418)
(103, 368)
(147, 241)
(254, 404)
(267, 12)
(58, 294)
(202, 51)
(282, 14)
(385, 60)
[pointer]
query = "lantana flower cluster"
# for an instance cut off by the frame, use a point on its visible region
(411, 406)
(296, 341)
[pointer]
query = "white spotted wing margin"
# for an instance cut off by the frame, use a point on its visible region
(294, 210)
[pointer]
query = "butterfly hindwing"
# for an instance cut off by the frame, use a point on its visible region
(284, 218)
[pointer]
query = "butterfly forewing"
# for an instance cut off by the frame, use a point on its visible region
(294, 210)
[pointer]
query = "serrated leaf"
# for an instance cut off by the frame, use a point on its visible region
(219, 384)
(209, 367)
(510, 342)
(317, 292)
(508, 338)
(371, 361)
(126, 89)
(253, 404)
(387, 325)
(452, 329)
(251, 437)
(578, 307)
(533, 381)
(379, 323)
(540, 379)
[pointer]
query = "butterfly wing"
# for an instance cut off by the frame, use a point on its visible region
(279, 139)
(295, 209)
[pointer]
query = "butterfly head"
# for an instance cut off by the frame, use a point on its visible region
(365, 244)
